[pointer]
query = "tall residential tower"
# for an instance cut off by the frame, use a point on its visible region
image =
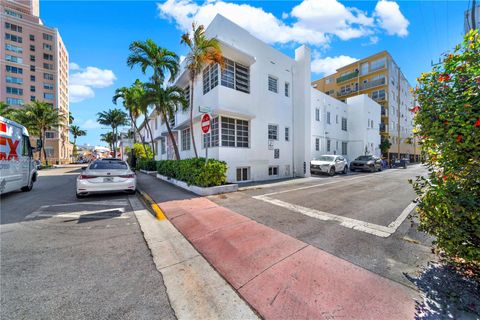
(34, 66)
(380, 78)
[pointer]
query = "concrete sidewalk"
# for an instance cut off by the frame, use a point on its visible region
(280, 276)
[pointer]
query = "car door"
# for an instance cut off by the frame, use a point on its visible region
(338, 164)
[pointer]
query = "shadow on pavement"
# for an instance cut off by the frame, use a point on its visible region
(446, 294)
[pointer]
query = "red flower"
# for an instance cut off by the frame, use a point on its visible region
(477, 124)
(415, 109)
(459, 138)
(443, 77)
(445, 178)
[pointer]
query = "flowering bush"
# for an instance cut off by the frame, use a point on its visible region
(447, 123)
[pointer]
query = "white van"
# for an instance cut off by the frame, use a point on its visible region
(17, 167)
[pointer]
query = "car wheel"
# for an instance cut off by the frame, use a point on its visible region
(29, 187)
(331, 172)
(372, 169)
(345, 169)
(80, 196)
(380, 168)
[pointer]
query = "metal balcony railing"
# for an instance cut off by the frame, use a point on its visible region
(347, 76)
(346, 92)
(371, 84)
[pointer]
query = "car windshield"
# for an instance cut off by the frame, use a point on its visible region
(364, 158)
(108, 165)
(325, 158)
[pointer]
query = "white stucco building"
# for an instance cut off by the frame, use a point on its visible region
(264, 112)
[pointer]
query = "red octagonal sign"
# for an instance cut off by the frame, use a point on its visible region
(206, 123)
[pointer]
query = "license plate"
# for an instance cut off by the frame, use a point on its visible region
(109, 179)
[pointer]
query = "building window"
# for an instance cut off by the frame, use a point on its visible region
(329, 80)
(47, 56)
(48, 86)
(32, 58)
(14, 101)
(162, 146)
(49, 151)
(50, 135)
(287, 89)
(32, 37)
(236, 76)
(48, 66)
(32, 88)
(48, 76)
(344, 148)
(364, 68)
(378, 64)
(242, 133)
(48, 96)
(272, 84)
(328, 117)
(287, 134)
(328, 145)
(14, 80)
(47, 47)
(272, 132)
(47, 37)
(11, 47)
(32, 47)
(13, 13)
(13, 59)
(32, 68)
(344, 124)
(276, 154)
(273, 170)
(210, 77)
(317, 114)
(12, 69)
(186, 92)
(32, 98)
(317, 144)
(378, 95)
(211, 139)
(186, 139)
(13, 38)
(16, 91)
(243, 174)
(32, 78)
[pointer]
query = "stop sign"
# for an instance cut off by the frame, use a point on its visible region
(206, 123)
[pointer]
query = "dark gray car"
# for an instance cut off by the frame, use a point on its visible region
(366, 163)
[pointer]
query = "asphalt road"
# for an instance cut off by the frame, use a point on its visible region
(357, 217)
(63, 258)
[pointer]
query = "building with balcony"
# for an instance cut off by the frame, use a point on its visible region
(379, 77)
(34, 64)
(264, 112)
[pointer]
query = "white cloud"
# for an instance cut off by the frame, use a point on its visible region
(391, 18)
(90, 124)
(73, 66)
(329, 65)
(82, 80)
(316, 20)
(79, 93)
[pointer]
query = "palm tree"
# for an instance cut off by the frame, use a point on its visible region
(5, 110)
(132, 102)
(109, 138)
(149, 55)
(167, 102)
(70, 117)
(39, 117)
(76, 132)
(114, 118)
(203, 52)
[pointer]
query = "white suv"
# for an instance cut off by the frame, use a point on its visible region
(330, 164)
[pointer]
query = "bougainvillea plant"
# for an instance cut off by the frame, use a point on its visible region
(447, 125)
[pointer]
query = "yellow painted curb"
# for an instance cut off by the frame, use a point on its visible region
(158, 212)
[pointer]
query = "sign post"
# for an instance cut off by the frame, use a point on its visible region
(206, 129)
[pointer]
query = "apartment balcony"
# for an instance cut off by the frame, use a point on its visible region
(379, 98)
(349, 76)
(371, 84)
(384, 112)
(346, 92)
(383, 128)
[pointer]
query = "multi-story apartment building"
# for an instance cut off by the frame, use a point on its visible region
(264, 112)
(34, 66)
(379, 77)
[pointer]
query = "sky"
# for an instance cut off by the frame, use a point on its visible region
(97, 35)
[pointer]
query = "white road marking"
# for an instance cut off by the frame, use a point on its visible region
(43, 212)
(104, 202)
(367, 227)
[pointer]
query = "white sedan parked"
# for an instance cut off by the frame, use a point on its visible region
(330, 164)
(103, 176)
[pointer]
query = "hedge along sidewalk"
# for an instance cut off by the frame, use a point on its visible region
(194, 288)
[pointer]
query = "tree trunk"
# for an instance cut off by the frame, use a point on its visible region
(172, 137)
(44, 150)
(191, 118)
(113, 142)
(151, 139)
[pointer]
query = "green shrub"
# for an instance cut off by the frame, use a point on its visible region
(448, 127)
(194, 171)
(149, 165)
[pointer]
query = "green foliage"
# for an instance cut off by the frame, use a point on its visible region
(385, 144)
(145, 164)
(195, 171)
(448, 129)
(139, 151)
